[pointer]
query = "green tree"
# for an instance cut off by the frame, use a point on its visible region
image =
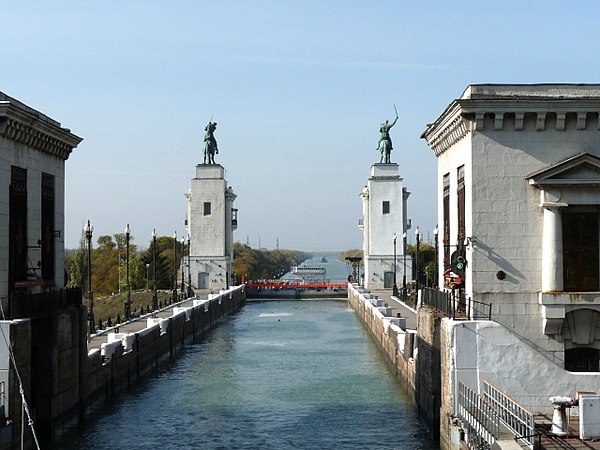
(105, 270)
(105, 242)
(76, 265)
(164, 278)
(167, 246)
(264, 264)
(426, 261)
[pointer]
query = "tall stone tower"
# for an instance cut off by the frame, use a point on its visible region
(384, 215)
(211, 220)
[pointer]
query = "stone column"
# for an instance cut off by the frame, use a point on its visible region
(552, 249)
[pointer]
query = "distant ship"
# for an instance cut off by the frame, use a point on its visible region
(323, 259)
(309, 274)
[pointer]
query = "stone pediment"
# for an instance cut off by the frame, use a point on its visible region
(578, 170)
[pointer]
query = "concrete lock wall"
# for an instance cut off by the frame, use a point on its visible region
(121, 364)
(414, 356)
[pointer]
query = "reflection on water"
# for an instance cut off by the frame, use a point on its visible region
(278, 375)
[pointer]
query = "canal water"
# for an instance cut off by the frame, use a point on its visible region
(277, 375)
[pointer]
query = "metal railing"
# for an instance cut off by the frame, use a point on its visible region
(2, 404)
(516, 418)
(478, 418)
(453, 304)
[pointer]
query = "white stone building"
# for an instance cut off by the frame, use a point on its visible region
(211, 220)
(384, 202)
(518, 189)
(33, 151)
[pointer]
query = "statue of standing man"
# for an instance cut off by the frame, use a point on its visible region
(210, 143)
(385, 142)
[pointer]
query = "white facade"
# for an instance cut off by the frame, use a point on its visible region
(528, 157)
(211, 221)
(33, 151)
(384, 215)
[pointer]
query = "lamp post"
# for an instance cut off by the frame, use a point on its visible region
(119, 253)
(154, 296)
(89, 231)
(190, 291)
(395, 290)
(128, 287)
(182, 264)
(417, 271)
(175, 267)
(147, 276)
(436, 268)
(404, 268)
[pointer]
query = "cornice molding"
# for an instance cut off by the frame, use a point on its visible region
(450, 128)
(469, 115)
(34, 131)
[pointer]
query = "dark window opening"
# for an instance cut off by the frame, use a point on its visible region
(461, 206)
(207, 208)
(446, 221)
(582, 360)
(17, 228)
(580, 251)
(386, 207)
(48, 249)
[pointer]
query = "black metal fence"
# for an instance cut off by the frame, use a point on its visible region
(22, 305)
(455, 304)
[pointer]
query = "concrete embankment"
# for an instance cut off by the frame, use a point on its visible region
(396, 342)
(124, 355)
(413, 355)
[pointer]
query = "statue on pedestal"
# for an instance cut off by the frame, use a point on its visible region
(385, 142)
(210, 143)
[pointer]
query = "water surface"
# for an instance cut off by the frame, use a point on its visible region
(277, 375)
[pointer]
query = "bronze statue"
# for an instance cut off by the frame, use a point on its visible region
(210, 143)
(385, 142)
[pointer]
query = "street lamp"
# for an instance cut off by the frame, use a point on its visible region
(154, 297)
(417, 271)
(175, 267)
(404, 268)
(182, 265)
(128, 287)
(89, 231)
(189, 267)
(395, 290)
(435, 272)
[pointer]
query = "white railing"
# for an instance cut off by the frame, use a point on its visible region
(477, 417)
(516, 418)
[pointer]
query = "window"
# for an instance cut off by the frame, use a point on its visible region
(460, 191)
(386, 207)
(580, 251)
(582, 359)
(17, 231)
(446, 220)
(48, 227)
(207, 208)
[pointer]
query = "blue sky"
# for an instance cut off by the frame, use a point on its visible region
(298, 90)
